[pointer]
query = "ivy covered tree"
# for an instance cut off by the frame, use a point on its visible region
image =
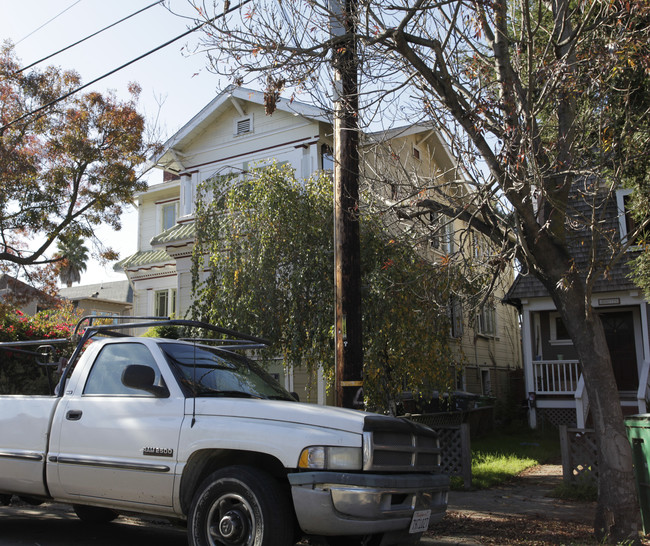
(72, 165)
(266, 241)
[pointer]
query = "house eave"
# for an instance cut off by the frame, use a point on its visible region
(171, 156)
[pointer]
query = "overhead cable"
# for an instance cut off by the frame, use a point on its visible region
(81, 87)
(86, 38)
(48, 22)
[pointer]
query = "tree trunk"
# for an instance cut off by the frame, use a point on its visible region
(617, 514)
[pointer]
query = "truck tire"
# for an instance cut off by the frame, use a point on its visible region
(94, 514)
(240, 506)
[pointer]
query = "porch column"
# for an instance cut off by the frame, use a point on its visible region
(527, 328)
(645, 331)
(186, 204)
(150, 301)
(320, 382)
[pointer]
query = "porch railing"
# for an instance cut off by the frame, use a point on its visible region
(582, 403)
(556, 376)
(644, 387)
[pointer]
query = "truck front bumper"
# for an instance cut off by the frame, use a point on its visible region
(337, 503)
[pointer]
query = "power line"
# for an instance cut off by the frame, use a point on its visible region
(80, 88)
(83, 39)
(47, 22)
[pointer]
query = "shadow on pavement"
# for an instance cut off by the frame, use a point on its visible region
(57, 525)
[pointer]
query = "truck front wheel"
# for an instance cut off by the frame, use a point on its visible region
(240, 506)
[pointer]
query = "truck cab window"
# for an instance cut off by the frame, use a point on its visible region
(105, 377)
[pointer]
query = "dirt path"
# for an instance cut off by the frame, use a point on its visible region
(520, 513)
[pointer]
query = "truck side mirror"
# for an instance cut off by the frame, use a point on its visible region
(137, 376)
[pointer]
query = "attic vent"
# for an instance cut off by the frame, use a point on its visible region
(243, 126)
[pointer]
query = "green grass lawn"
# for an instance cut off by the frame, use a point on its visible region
(499, 456)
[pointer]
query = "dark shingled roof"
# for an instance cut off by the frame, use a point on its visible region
(580, 240)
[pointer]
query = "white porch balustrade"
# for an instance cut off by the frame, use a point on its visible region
(556, 376)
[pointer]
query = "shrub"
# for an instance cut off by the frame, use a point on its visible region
(26, 374)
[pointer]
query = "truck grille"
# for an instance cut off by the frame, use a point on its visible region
(399, 445)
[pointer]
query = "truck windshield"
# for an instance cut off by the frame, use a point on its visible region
(204, 371)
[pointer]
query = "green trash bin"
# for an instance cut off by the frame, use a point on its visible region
(638, 432)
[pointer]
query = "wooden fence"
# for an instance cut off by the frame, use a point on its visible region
(579, 455)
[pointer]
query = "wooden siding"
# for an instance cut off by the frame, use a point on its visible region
(218, 142)
(149, 215)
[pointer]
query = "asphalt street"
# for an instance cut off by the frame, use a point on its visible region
(57, 525)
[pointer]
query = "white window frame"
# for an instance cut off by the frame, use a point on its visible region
(486, 321)
(622, 217)
(170, 304)
(456, 327)
(161, 213)
(552, 318)
(441, 233)
(105, 314)
(480, 245)
(326, 158)
(486, 381)
(447, 245)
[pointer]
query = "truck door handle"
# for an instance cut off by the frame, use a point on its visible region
(73, 415)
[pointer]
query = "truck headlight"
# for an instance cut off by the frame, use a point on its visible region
(331, 458)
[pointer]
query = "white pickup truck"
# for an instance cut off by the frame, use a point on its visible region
(197, 433)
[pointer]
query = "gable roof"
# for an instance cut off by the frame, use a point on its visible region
(180, 232)
(118, 291)
(145, 257)
(580, 241)
(15, 290)
(232, 96)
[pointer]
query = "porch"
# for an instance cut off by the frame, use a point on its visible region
(557, 389)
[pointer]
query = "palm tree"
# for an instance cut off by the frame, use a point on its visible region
(73, 255)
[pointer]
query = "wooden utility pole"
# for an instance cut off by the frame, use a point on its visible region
(347, 251)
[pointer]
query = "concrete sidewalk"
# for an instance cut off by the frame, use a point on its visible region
(527, 495)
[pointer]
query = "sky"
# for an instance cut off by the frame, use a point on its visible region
(173, 76)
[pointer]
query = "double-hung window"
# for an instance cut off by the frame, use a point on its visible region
(486, 321)
(164, 304)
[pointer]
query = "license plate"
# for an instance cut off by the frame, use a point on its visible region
(420, 521)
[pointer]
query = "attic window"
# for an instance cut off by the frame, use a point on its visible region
(243, 126)
(416, 153)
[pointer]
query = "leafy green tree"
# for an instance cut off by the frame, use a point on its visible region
(406, 326)
(73, 256)
(67, 168)
(267, 241)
